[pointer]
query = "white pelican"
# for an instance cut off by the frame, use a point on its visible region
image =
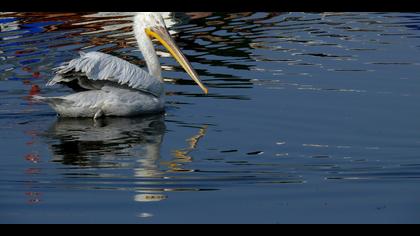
(109, 86)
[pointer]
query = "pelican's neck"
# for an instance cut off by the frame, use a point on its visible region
(146, 47)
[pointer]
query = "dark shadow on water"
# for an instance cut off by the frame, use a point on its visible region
(84, 141)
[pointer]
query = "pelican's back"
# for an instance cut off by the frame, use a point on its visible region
(93, 70)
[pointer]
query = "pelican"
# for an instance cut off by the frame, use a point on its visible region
(106, 85)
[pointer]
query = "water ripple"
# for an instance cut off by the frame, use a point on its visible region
(295, 98)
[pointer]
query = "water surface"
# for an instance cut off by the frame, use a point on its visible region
(310, 118)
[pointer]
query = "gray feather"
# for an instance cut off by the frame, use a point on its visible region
(100, 67)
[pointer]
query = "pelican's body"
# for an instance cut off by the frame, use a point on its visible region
(109, 86)
(107, 101)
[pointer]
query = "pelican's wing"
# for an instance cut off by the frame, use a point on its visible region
(92, 70)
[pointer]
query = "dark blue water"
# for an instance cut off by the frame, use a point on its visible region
(311, 118)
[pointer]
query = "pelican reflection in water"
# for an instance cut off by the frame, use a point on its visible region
(114, 141)
(84, 142)
(106, 85)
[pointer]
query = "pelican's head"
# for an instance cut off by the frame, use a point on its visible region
(153, 26)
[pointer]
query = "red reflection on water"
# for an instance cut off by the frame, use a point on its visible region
(26, 82)
(27, 68)
(32, 157)
(32, 194)
(32, 133)
(24, 51)
(32, 171)
(198, 15)
(36, 74)
(29, 143)
(34, 197)
(34, 90)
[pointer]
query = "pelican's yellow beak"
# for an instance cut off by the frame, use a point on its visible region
(162, 35)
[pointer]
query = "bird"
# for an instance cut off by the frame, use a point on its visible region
(106, 85)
